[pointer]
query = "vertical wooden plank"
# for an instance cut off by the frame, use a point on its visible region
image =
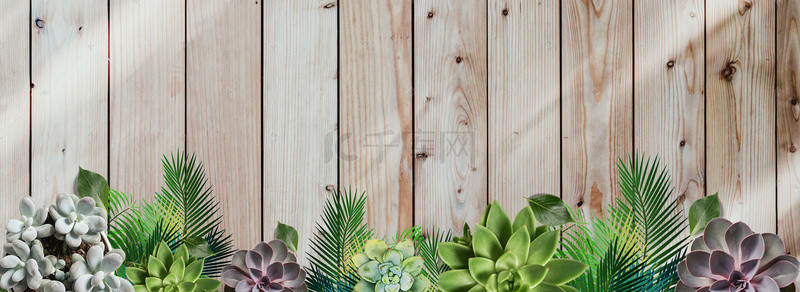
(14, 108)
(740, 78)
(223, 107)
(375, 109)
(524, 101)
(147, 91)
(788, 111)
(668, 90)
(597, 102)
(69, 98)
(300, 131)
(450, 113)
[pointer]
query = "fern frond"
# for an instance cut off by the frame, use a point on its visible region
(428, 249)
(341, 234)
(186, 203)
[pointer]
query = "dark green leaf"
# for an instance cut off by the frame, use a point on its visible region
(198, 247)
(288, 235)
(93, 185)
(550, 210)
(702, 211)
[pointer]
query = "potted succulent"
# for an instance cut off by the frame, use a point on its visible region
(60, 248)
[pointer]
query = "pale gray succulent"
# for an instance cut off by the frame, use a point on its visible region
(31, 224)
(52, 286)
(77, 220)
(24, 266)
(95, 273)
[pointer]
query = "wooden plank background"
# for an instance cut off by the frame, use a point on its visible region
(433, 107)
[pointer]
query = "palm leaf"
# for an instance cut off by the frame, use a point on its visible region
(640, 242)
(428, 249)
(341, 234)
(187, 203)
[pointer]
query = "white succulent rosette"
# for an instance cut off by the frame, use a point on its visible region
(78, 220)
(95, 273)
(31, 225)
(24, 266)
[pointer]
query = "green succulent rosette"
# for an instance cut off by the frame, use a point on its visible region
(166, 271)
(384, 269)
(504, 256)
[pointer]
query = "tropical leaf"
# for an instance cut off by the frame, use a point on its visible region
(288, 235)
(93, 185)
(702, 211)
(428, 249)
(186, 202)
(638, 245)
(341, 234)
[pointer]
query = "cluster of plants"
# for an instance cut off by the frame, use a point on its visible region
(174, 242)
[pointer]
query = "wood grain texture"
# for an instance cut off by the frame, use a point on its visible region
(14, 108)
(788, 123)
(597, 100)
(524, 97)
(450, 113)
(300, 131)
(148, 97)
(69, 99)
(223, 108)
(375, 109)
(668, 91)
(740, 79)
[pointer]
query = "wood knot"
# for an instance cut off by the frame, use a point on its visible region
(792, 149)
(33, 85)
(39, 23)
(681, 198)
(80, 28)
(793, 101)
(329, 188)
(580, 203)
(744, 5)
(422, 155)
(505, 11)
(683, 143)
(459, 191)
(728, 71)
(430, 14)
(428, 98)
(670, 64)
(458, 59)
(327, 6)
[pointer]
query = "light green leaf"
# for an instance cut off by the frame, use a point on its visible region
(702, 211)
(481, 269)
(454, 255)
(198, 247)
(93, 185)
(544, 287)
(192, 271)
(543, 248)
(156, 268)
(288, 235)
(485, 244)
(456, 280)
(206, 284)
(550, 210)
(561, 271)
(532, 274)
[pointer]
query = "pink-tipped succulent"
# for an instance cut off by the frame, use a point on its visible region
(268, 267)
(731, 257)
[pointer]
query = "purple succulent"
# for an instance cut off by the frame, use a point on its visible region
(731, 257)
(268, 267)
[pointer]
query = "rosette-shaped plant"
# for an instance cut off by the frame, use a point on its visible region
(384, 269)
(731, 257)
(32, 224)
(77, 220)
(95, 273)
(171, 272)
(52, 286)
(268, 267)
(506, 256)
(24, 266)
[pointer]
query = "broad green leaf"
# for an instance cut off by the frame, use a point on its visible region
(156, 268)
(288, 235)
(702, 211)
(136, 275)
(198, 247)
(192, 271)
(525, 218)
(499, 223)
(532, 274)
(485, 244)
(456, 280)
(481, 269)
(93, 185)
(550, 210)
(454, 255)
(543, 248)
(544, 287)
(206, 284)
(561, 271)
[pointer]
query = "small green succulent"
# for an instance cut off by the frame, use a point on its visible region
(390, 270)
(165, 271)
(505, 256)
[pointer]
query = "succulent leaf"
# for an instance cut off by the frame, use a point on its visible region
(266, 267)
(521, 261)
(730, 257)
(389, 269)
(77, 220)
(168, 271)
(31, 224)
